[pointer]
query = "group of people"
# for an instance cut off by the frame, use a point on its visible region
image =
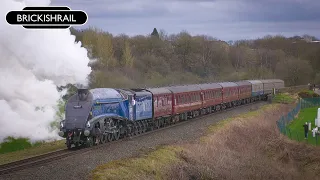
(307, 127)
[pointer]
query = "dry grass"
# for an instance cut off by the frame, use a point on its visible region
(248, 146)
(34, 151)
(151, 166)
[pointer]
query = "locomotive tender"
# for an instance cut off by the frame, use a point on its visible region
(120, 113)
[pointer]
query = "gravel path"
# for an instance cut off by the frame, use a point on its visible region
(79, 166)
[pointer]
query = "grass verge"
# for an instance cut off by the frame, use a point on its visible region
(296, 130)
(248, 146)
(32, 151)
(152, 164)
(159, 163)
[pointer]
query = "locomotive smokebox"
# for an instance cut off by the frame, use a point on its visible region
(83, 94)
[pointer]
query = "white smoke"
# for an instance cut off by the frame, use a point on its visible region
(32, 64)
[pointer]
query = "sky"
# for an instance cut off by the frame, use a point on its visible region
(222, 19)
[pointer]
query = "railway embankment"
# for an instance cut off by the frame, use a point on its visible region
(248, 146)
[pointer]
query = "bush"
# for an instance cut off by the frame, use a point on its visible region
(308, 94)
(11, 144)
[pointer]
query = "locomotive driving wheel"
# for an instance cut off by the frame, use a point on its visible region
(116, 133)
(109, 137)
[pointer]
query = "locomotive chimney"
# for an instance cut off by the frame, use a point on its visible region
(83, 94)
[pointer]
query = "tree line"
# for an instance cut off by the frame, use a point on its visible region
(161, 59)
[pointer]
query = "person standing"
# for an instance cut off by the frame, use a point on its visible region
(306, 128)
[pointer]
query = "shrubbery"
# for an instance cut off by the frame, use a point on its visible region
(11, 144)
(308, 94)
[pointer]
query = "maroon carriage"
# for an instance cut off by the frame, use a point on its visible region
(211, 96)
(186, 100)
(245, 89)
(230, 93)
(162, 102)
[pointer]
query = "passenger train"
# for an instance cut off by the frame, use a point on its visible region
(107, 114)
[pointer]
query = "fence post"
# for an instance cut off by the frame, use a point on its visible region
(289, 132)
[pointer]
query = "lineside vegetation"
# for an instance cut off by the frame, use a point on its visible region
(248, 146)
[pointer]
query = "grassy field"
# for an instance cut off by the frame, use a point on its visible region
(296, 130)
(32, 151)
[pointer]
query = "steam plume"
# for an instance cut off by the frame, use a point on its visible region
(32, 64)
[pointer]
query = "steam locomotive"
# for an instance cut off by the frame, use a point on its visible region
(106, 114)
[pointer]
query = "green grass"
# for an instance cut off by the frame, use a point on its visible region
(296, 130)
(284, 98)
(29, 151)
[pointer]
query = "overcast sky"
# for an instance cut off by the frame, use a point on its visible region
(223, 19)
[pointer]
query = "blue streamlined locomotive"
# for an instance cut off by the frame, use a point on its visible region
(105, 114)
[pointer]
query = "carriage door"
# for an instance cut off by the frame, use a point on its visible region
(131, 105)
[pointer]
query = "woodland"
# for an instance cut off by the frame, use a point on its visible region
(161, 59)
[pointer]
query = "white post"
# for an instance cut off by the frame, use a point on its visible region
(309, 125)
(317, 120)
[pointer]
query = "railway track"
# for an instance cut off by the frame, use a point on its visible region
(63, 153)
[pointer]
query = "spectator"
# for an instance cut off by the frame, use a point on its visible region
(314, 131)
(305, 130)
